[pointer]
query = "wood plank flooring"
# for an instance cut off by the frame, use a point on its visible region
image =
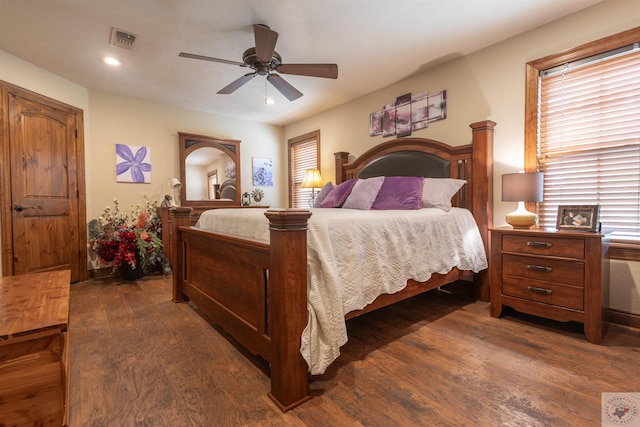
(439, 359)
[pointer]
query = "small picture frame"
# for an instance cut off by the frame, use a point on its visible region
(583, 218)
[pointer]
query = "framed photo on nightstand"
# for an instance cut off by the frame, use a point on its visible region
(584, 218)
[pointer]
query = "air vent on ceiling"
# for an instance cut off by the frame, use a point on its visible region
(123, 39)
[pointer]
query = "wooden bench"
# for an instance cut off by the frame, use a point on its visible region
(34, 349)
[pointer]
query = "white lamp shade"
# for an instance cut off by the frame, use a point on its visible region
(174, 184)
(312, 179)
(174, 187)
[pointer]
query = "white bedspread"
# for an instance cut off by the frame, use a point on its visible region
(356, 255)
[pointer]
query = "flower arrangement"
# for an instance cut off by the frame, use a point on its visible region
(120, 238)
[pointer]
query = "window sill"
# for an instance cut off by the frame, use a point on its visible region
(624, 246)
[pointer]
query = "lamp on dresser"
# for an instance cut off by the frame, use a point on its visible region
(312, 180)
(174, 189)
(522, 187)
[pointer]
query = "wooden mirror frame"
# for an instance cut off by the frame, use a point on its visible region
(188, 143)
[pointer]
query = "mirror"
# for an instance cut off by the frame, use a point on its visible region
(209, 171)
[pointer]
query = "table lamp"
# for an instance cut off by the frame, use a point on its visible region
(522, 187)
(174, 190)
(312, 180)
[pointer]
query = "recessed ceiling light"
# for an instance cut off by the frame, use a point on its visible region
(269, 101)
(111, 61)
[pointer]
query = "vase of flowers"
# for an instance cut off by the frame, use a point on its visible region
(128, 241)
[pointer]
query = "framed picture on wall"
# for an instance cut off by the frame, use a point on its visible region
(133, 164)
(375, 123)
(437, 106)
(262, 172)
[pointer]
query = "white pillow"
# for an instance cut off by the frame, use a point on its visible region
(437, 192)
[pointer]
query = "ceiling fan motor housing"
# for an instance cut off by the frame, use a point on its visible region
(250, 58)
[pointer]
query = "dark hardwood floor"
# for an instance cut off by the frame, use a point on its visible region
(439, 359)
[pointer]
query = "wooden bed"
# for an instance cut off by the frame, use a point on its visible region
(257, 292)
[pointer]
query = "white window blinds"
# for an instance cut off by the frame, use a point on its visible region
(303, 155)
(589, 138)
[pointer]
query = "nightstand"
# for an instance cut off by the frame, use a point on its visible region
(559, 275)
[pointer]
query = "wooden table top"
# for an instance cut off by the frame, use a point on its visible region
(33, 302)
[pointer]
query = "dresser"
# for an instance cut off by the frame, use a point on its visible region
(559, 275)
(34, 349)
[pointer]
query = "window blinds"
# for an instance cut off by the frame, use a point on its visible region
(303, 155)
(589, 139)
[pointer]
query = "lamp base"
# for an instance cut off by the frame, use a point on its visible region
(521, 218)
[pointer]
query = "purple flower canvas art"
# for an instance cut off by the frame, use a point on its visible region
(133, 164)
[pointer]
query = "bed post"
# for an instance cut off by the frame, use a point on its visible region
(341, 157)
(482, 193)
(179, 217)
(288, 306)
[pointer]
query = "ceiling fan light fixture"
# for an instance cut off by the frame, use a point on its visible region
(267, 99)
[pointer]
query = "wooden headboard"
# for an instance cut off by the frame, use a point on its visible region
(429, 158)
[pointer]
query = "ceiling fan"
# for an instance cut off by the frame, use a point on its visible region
(265, 61)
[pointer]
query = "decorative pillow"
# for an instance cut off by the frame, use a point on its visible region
(364, 193)
(437, 192)
(400, 192)
(338, 195)
(326, 189)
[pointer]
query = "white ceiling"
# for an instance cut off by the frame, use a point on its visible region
(374, 42)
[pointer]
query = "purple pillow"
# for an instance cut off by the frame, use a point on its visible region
(326, 189)
(400, 192)
(364, 193)
(338, 195)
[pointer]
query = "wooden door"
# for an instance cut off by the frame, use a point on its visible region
(45, 211)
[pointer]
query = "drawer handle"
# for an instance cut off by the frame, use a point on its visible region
(539, 268)
(539, 290)
(539, 244)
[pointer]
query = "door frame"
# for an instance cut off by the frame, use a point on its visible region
(6, 217)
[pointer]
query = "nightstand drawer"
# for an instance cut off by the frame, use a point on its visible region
(541, 245)
(550, 293)
(545, 269)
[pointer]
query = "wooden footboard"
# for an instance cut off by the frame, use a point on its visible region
(255, 292)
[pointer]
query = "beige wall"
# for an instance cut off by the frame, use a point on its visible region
(488, 84)
(118, 119)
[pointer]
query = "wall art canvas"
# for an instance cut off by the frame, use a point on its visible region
(133, 164)
(420, 111)
(375, 123)
(389, 120)
(262, 172)
(403, 115)
(438, 106)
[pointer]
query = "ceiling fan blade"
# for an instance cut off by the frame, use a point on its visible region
(265, 42)
(230, 88)
(329, 71)
(290, 92)
(209, 58)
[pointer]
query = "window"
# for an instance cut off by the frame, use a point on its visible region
(303, 154)
(582, 130)
(213, 181)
